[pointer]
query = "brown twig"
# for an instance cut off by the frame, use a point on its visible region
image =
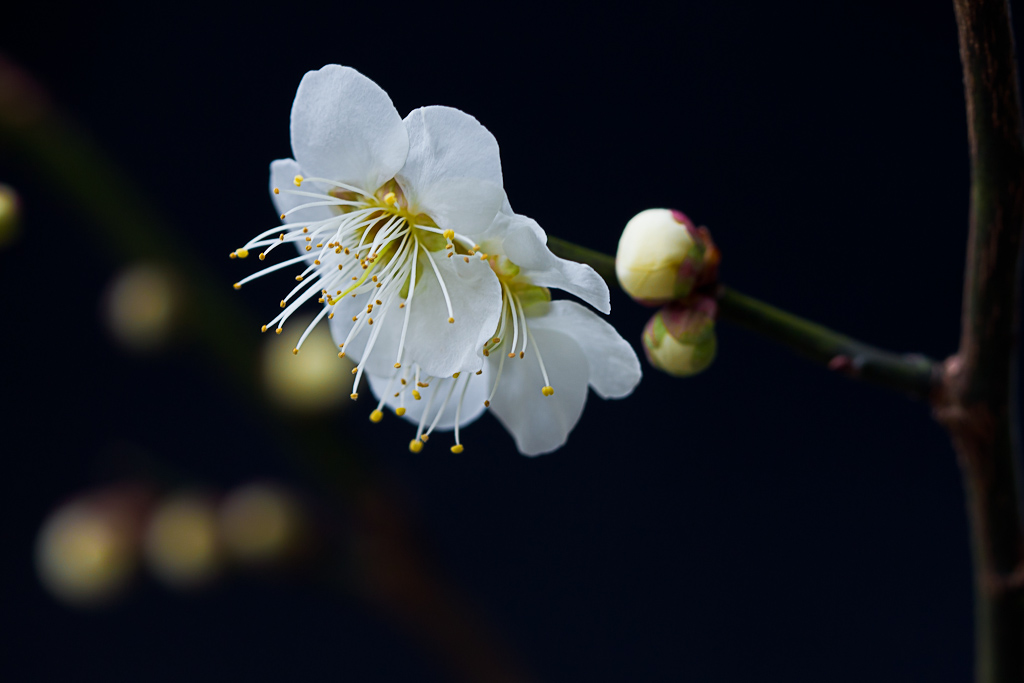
(976, 401)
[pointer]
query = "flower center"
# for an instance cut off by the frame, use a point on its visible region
(517, 293)
(373, 247)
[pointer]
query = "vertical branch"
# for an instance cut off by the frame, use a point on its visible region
(977, 402)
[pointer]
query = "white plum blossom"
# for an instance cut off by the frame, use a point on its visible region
(379, 207)
(540, 357)
(429, 280)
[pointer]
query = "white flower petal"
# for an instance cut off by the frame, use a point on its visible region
(540, 424)
(453, 171)
(442, 348)
(344, 127)
(614, 367)
(472, 404)
(525, 244)
(282, 177)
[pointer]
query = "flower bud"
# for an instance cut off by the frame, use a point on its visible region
(182, 544)
(680, 340)
(660, 256)
(10, 214)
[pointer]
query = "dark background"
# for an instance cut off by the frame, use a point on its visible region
(764, 520)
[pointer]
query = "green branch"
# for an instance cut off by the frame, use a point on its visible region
(910, 374)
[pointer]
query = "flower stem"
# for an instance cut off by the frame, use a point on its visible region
(910, 374)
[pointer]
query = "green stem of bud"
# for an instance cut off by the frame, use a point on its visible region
(910, 374)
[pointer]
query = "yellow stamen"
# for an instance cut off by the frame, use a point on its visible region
(399, 412)
(457, 448)
(242, 253)
(298, 181)
(390, 199)
(376, 416)
(547, 391)
(415, 445)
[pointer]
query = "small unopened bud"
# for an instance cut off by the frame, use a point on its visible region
(660, 256)
(182, 544)
(680, 340)
(10, 214)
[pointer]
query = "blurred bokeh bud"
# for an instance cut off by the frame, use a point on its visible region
(660, 256)
(262, 525)
(680, 340)
(10, 214)
(87, 550)
(141, 306)
(182, 543)
(312, 379)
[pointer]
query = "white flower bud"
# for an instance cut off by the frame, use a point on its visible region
(660, 256)
(681, 340)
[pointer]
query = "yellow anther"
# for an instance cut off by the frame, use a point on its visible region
(451, 320)
(339, 266)
(390, 199)
(341, 354)
(262, 256)
(263, 329)
(309, 239)
(450, 254)
(487, 404)
(330, 316)
(320, 300)
(370, 320)
(376, 416)
(448, 234)
(316, 262)
(457, 448)
(242, 253)
(455, 376)
(415, 445)
(232, 255)
(282, 303)
(486, 353)
(403, 382)
(309, 248)
(298, 278)
(512, 355)
(355, 318)
(282, 216)
(353, 396)
(547, 391)
(298, 181)
(379, 303)
(422, 384)
(279, 330)
(237, 286)
(354, 370)
(295, 352)
(521, 354)
(416, 394)
(305, 230)
(398, 365)
(277, 191)
(399, 412)
(401, 305)
(466, 259)
(425, 438)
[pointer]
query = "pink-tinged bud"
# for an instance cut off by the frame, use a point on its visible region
(660, 257)
(680, 340)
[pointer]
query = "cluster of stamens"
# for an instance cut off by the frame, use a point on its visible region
(372, 248)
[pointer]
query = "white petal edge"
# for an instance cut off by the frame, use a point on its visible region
(453, 170)
(541, 424)
(525, 244)
(344, 127)
(472, 405)
(614, 369)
